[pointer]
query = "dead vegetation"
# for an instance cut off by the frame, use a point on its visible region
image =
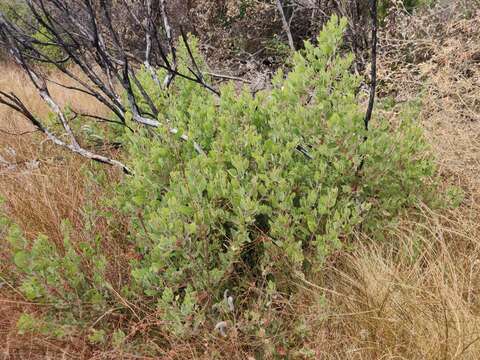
(415, 296)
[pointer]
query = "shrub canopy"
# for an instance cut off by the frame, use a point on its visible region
(266, 187)
(275, 188)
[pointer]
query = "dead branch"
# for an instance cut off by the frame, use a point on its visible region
(373, 73)
(88, 35)
(286, 26)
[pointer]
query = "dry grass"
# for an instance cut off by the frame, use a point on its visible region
(415, 296)
(437, 56)
(37, 179)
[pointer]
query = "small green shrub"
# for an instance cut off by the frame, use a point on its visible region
(34, 324)
(253, 210)
(64, 275)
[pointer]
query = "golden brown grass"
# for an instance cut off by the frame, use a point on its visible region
(42, 178)
(414, 296)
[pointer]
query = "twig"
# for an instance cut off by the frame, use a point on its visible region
(125, 302)
(229, 77)
(6, 132)
(108, 312)
(373, 79)
(286, 27)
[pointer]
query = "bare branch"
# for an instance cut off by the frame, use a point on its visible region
(11, 133)
(87, 36)
(373, 76)
(168, 33)
(15, 103)
(197, 72)
(286, 26)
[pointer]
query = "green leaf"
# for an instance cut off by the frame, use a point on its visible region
(22, 260)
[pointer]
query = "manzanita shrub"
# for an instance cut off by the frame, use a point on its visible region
(276, 187)
(265, 188)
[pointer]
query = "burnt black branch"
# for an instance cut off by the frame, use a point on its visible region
(106, 51)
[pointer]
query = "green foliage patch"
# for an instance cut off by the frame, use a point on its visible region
(65, 275)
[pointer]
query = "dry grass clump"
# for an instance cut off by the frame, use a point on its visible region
(414, 298)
